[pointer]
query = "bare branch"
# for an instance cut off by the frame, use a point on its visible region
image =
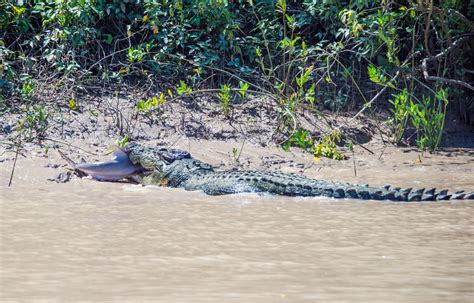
(424, 65)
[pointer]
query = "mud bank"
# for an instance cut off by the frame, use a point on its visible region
(452, 169)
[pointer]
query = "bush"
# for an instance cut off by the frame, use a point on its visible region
(269, 44)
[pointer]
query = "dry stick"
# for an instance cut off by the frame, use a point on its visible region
(14, 165)
(354, 163)
(383, 151)
(424, 65)
(67, 159)
(371, 152)
(427, 27)
(368, 104)
(240, 152)
(213, 90)
(261, 90)
(463, 18)
(71, 145)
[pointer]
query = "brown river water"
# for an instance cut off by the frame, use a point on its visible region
(112, 242)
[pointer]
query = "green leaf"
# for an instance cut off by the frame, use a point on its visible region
(141, 105)
(281, 6)
(305, 77)
(183, 88)
(72, 104)
(122, 141)
(108, 39)
(373, 74)
(19, 10)
(243, 88)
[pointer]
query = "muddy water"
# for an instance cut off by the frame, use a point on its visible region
(89, 241)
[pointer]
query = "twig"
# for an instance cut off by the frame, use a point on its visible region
(371, 152)
(424, 65)
(260, 90)
(292, 132)
(14, 165)
(71, 145)
(381, 154)
(427, 27)
(213, 90)
(67, 159)
(240, 151)
(354, 163)
(368, 104)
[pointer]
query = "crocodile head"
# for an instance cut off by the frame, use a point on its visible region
(151, 159)
(164, 166)
(133, 161)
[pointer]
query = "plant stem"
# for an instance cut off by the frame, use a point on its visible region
(14, 165)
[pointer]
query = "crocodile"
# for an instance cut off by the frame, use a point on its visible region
(176, 168)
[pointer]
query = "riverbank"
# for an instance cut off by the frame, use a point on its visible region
(451, 169)
(246, 139)
(104, 241)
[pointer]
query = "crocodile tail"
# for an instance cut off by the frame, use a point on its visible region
(295, 185)
(399, 194)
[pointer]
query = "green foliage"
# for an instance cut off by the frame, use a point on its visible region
(235, 153)
(428, 119)
(307, 54)
(243, 87)
(325, 147)
(28, 88)
(152, 103)
(376, 75)
(300, 139)
(400, 114)
(135, 54)
(183, 88)
(73, 105)
(305, 77)
(121, 142)
(34, 123)
(224, 98)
